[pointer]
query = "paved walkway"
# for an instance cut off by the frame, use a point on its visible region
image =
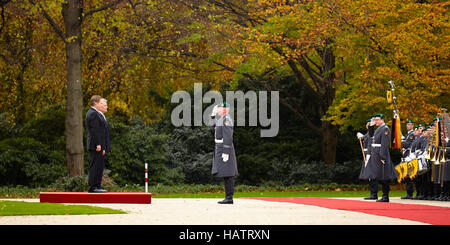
(179, 211)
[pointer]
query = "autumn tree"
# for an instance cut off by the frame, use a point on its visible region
(73, 15)
(403, 41)
(261, 37)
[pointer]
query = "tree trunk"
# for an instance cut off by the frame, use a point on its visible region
(72, 14)
(329, 142)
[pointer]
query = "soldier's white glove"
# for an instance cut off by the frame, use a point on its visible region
(403, 137)
(214, 111)
(372, 121)
(225, 157)
(359, 135)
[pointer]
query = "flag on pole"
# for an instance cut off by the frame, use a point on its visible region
(438, 133)
(396, 137)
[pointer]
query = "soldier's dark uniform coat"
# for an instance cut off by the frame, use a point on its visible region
(367, 143)
(406, 144)
(446, 170)
(224, 133)
(416, 144)
(380, 151)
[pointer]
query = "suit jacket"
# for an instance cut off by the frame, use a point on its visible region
(98, 131)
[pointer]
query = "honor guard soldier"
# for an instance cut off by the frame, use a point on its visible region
(224, 161)
(406, 144)
(446, 158)
(427, 176)
(437, 177)
(366, 144)
(381, 166)
(412, 155)
(446, 172)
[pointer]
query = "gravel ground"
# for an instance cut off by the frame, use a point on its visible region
(180, 211)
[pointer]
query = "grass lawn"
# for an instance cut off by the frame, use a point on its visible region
(14, 208)
(279, 194)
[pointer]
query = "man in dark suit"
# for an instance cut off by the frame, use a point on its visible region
(98, 142)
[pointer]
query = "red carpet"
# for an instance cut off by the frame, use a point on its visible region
(417, 212)
(85, 197)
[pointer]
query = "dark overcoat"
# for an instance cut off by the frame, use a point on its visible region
(376, 169)
(223, 139)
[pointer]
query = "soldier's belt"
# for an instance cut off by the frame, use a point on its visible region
(376, 145)
(218, 141)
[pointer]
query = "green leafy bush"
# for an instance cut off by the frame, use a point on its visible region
(134, 145)
(48, 127)
(25, 161)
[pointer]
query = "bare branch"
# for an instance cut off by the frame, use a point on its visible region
(104, 7)
(51, 21)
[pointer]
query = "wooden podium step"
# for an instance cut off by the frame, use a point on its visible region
(86, 197)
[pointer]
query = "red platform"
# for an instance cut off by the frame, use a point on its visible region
(86, 197)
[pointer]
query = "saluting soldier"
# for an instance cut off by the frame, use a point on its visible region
(365, 172)
(224, 161)
(382, 168)
(406, 144)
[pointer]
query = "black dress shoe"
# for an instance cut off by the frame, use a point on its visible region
(226, 201)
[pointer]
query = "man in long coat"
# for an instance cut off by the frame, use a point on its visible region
(380, 164)
(224, 161)
(367, 145)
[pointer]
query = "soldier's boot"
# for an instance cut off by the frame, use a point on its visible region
(408, 196)
(436, 192)
(373, 188)
(385, 188)
(384, 198)
(373, 196)
(226, 201)
(418, 188)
